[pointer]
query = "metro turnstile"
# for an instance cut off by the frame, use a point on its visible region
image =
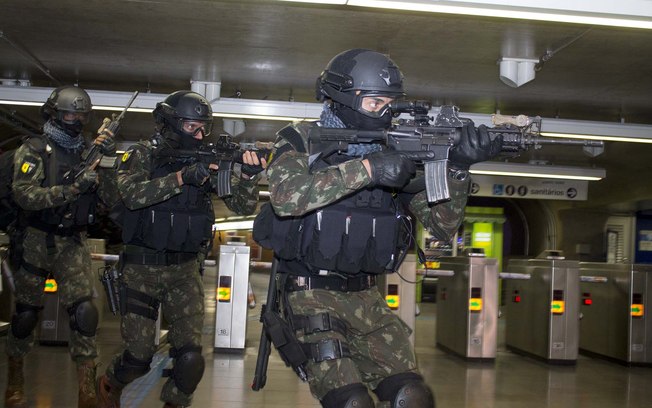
(615, 322)
(54, 327)
(467, 306)
(6, 295)
(400, 291)
(542, 312)
(232, 304)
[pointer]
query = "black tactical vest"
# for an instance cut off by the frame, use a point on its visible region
(183, 223)
(58, 171)
(362, 233)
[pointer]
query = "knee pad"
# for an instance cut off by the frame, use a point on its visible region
(406, 390)
(349, 396)
(83, 317)
(188, 368)
(129, 368)
(24, 320)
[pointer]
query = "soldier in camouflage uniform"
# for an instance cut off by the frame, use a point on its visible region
(57, 208)
(339, 222)
(166, 226)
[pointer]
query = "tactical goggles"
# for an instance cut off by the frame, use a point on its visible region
(70, 118)
(374, 106)
(193, 127)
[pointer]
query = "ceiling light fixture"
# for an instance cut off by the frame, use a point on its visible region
(538, 171)
(340, 2)
(233, 225)
(597, 137)
(515, 72)
(259, 117)
(292, 111)
(637, 15)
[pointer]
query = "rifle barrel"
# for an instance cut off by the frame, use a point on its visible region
(573, 142)
(127, 106)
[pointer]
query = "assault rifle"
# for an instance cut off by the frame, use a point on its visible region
(94, 154)
(430, 143)
(224, 153)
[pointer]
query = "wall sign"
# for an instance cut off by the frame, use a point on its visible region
(529, 188)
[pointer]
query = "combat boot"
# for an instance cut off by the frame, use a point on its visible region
(86, 371)
(108, 395)
(15, 395)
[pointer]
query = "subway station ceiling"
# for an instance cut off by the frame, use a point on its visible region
(272, 50)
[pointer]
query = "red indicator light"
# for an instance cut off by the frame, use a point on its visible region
(517, 299)
(587, 302)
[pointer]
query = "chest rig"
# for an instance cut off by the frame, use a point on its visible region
(182, 223)
(80, 213)
(359, 234)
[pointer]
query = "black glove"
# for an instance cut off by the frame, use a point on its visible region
(107, 146)
(195, 175)
(252, 169)
(390, 168)
(85, 181)
(474, 146)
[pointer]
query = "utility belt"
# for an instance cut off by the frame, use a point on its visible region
(336, 283)
(56, 229)
(142, 256)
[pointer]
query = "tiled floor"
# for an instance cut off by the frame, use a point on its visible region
(511, 381)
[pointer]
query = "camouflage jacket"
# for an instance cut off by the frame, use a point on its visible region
(138, 190)
(296, 190)
(29, 174)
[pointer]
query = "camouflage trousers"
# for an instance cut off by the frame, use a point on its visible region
(378, 339)
(69, 262)
(180, 290)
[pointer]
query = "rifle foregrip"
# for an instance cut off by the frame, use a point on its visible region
(436, 173)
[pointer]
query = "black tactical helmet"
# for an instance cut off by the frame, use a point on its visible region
(67, 99)
(370, 72)
(181, 106)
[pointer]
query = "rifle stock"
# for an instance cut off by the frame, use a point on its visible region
(434, 140)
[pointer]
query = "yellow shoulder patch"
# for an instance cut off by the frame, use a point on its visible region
(27, 167)
(126, 156)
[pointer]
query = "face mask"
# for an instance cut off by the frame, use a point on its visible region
(356, 120)
(180, 140)
(72, 129)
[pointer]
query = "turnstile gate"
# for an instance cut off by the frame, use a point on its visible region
(614, 321)
(542, 309)
(400, 291)
(232, 303)
(6, 287)
(467, 306)
(54, 327)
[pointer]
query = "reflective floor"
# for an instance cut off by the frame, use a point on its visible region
(510, 381)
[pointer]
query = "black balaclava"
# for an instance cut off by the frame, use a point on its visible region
(180, 140)
(356, 120)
